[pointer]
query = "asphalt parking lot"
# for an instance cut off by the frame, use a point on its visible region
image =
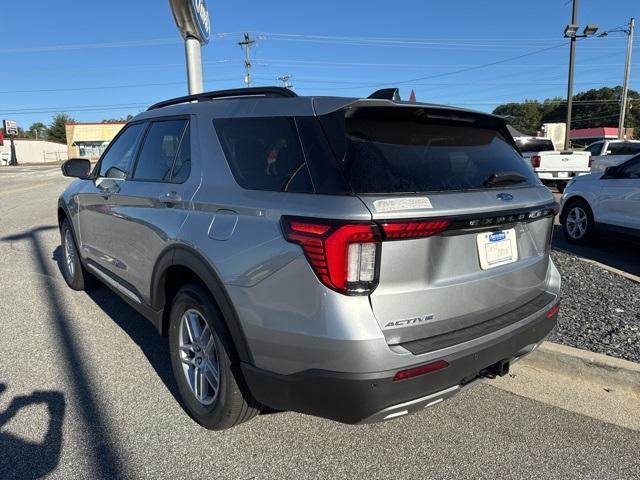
(86, 392)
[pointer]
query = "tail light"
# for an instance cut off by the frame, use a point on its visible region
(406, 230)
(590, 161)
(535, 161)
(344, 256)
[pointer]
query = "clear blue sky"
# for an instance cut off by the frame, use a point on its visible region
(107, 59)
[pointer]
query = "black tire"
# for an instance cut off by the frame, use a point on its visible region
(578, 211)
(232, 404)
(72, 270)
(561, 186)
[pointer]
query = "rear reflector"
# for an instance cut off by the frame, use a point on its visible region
(406, 230)
(590, 161)
(553, 310)
(421, 370)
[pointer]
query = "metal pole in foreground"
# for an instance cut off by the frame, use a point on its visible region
(572, 53)
(625, 86)
(194, 65)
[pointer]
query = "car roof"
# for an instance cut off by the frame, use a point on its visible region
(277, 101)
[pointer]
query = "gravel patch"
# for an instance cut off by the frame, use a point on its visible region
(600, 310)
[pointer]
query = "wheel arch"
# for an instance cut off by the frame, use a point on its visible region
(576, 198)
(182, 263)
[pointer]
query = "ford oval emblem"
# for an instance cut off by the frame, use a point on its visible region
(505, 197)
(497, 236)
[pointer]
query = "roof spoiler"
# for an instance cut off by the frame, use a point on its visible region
(386, 94)
(234, 92)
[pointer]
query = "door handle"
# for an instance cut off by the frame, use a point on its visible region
(170, 199)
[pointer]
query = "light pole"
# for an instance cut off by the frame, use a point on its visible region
(627, 73)
(571, 32)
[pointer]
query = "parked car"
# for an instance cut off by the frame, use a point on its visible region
(354, 259)
(552, 167)
(607, 153)
(603, 202)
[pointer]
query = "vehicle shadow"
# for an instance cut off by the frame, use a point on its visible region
(614, 252)
(25, 459)
(139, 329)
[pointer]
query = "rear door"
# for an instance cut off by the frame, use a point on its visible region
(413, 169)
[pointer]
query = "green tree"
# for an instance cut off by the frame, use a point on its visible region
(523, 116)
(37, 130)
(593, 108)
(118, 120)
(56, 131)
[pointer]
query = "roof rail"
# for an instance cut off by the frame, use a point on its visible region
(386, 94)
(233, 92)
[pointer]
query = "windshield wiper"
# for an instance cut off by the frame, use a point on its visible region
(500, 178)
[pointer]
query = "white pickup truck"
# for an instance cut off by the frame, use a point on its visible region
(610, 153)
(553, 167)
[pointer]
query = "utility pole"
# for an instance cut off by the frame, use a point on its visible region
(247, 43)
(572, 53)
(285, 81)
(571, 32)
(627, 73)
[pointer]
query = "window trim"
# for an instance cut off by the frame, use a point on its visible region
(96, 170)
(150, 122)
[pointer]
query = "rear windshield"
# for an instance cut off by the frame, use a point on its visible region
(532, 145)
(404, 150)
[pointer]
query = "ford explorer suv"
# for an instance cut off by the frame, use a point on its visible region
(354, 259)
(552, 167)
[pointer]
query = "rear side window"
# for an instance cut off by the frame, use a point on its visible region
(160, 150)
(594, 149)
(117, 159)
(264, 153)
(622, 148)
(406, 150)
(533, 145)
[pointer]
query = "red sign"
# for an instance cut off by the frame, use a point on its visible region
(1, 139)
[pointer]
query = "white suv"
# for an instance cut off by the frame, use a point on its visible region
(603, 202)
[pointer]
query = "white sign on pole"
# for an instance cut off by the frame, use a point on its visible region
(10, 127)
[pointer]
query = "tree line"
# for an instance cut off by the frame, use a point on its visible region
(592, 108)
(55, 131)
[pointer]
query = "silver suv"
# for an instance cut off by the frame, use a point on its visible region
(354, 259)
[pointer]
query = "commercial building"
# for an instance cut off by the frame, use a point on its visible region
(29, 150)
(89, 140)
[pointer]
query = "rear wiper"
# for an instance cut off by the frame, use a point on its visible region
(499, 178)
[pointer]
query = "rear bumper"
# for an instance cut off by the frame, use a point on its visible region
(371, 397)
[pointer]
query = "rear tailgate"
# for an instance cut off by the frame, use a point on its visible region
(564, 162)
(491, 256)
(435, 285)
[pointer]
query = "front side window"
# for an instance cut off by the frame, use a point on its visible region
(594, 149)
(631, 169)
(117, 160)
(160, 149)
(264, 153)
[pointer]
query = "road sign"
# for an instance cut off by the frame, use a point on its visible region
(10, 127)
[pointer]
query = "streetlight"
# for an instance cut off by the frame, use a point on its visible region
(627, 72)
(571, 32)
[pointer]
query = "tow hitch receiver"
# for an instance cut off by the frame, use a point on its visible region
(498, 369)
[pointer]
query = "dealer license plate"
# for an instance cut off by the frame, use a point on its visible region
(497, 248)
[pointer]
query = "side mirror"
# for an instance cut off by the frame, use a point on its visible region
(610, 172)
(76, 167)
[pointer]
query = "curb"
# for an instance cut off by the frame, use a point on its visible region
(593, 367)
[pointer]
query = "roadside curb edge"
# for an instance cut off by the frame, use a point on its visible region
(594, 367)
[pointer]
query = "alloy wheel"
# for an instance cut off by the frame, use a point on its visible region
(199, 357)
(577, 222)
